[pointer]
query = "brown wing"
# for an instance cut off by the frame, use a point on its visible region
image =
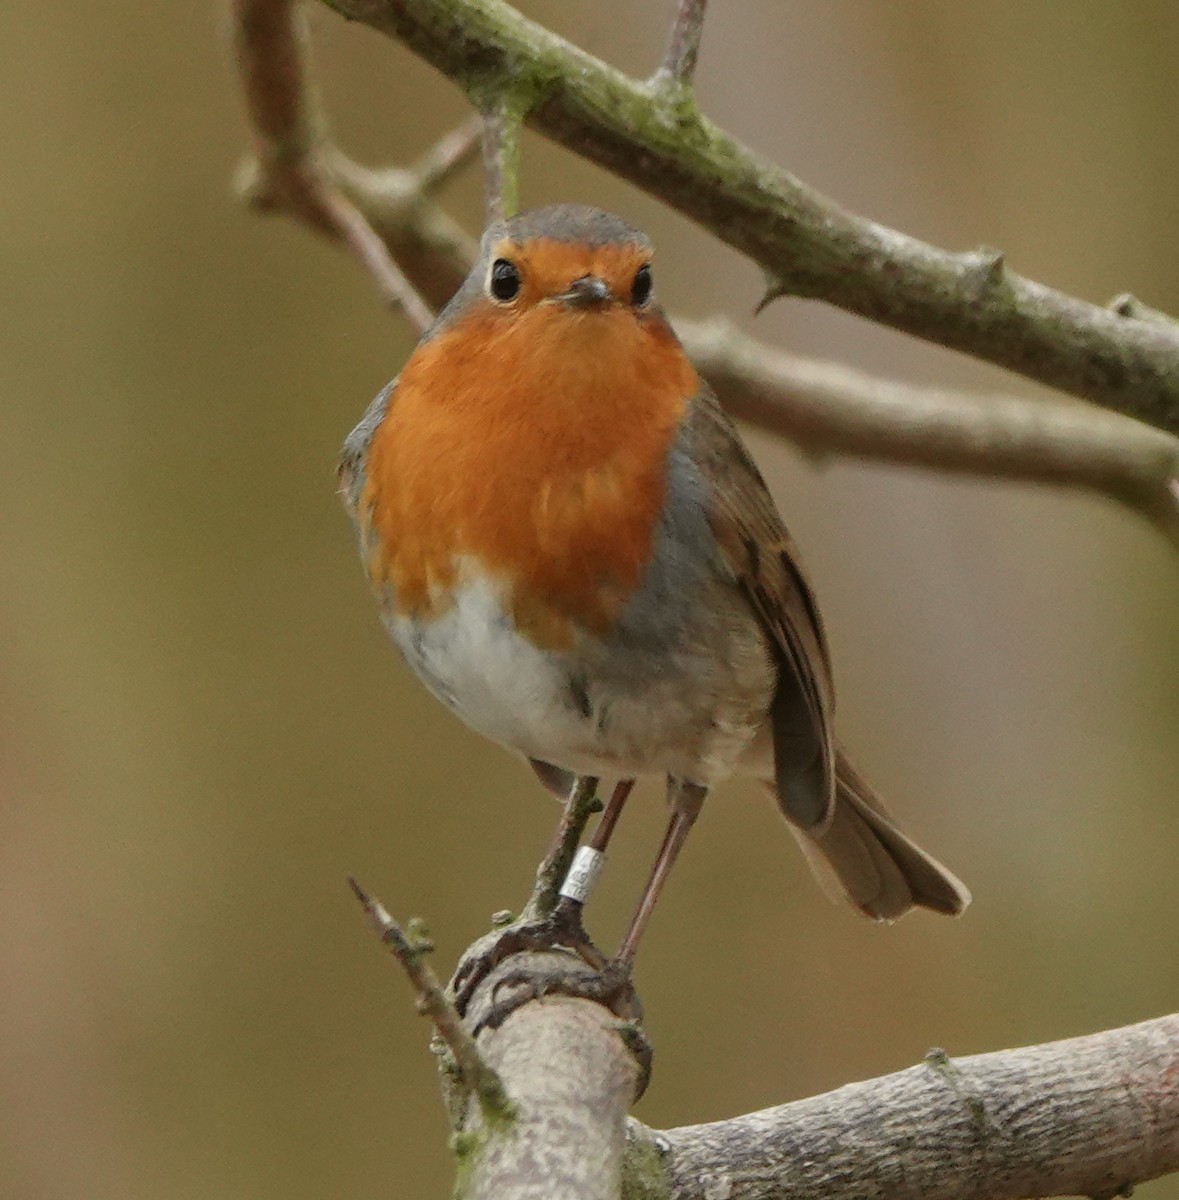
(764, 564)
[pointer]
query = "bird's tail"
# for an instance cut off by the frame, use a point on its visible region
(862, 855)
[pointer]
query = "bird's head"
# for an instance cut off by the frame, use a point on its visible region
(565, 279)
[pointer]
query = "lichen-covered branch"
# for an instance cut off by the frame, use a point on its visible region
(807, 244)
(501, 161)
(821, 406)
(1090, 1116)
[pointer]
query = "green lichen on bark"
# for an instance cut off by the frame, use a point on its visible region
(643, 1173)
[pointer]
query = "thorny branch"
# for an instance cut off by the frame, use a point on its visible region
(823, 407)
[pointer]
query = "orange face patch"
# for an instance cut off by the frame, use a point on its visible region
(548, 267)
(532, 440)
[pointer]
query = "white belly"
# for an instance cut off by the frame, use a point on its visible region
(592, 709)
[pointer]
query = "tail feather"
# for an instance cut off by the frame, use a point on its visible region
(862, 855)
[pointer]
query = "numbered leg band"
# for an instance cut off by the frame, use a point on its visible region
(587, 866)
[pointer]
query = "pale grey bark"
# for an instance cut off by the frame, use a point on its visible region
(1087, 1116)
(1090, 1116)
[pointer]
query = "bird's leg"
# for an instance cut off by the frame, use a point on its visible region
(605, 828)
(543, 924)
(587, 863)
(686, 802)
(611, 984)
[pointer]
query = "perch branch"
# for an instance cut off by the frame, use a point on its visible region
(572, 1079)
(1090, 1116)
(807, 244)
(432, 1001)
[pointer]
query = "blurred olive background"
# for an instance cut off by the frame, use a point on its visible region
(204, 729)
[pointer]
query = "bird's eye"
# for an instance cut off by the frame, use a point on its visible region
(640, 290)
(504, 282)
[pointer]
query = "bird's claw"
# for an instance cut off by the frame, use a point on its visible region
(562, 930)
(609, 985)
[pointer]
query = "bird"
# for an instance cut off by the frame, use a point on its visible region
(574, 551)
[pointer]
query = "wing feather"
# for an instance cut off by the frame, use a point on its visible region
(764, 564)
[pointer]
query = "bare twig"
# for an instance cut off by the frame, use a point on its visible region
(971, 302)
(501, 159)
(683, 46)
(395, 289)
(449, 155)
(409, 950)
(1090, 1116)
(272, 54)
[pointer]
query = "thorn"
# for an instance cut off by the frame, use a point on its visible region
(937, 1058)
(776, 288)
(940, 1062)
(1126, 304)
(359, 892)
(985, 266)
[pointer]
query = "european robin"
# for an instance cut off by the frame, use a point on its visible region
(576, 554)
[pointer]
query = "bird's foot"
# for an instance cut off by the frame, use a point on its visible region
(608, 985)
(561, 930)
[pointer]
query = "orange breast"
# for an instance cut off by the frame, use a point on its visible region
(533, 444)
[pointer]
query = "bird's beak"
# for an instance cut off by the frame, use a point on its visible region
(587, 292)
